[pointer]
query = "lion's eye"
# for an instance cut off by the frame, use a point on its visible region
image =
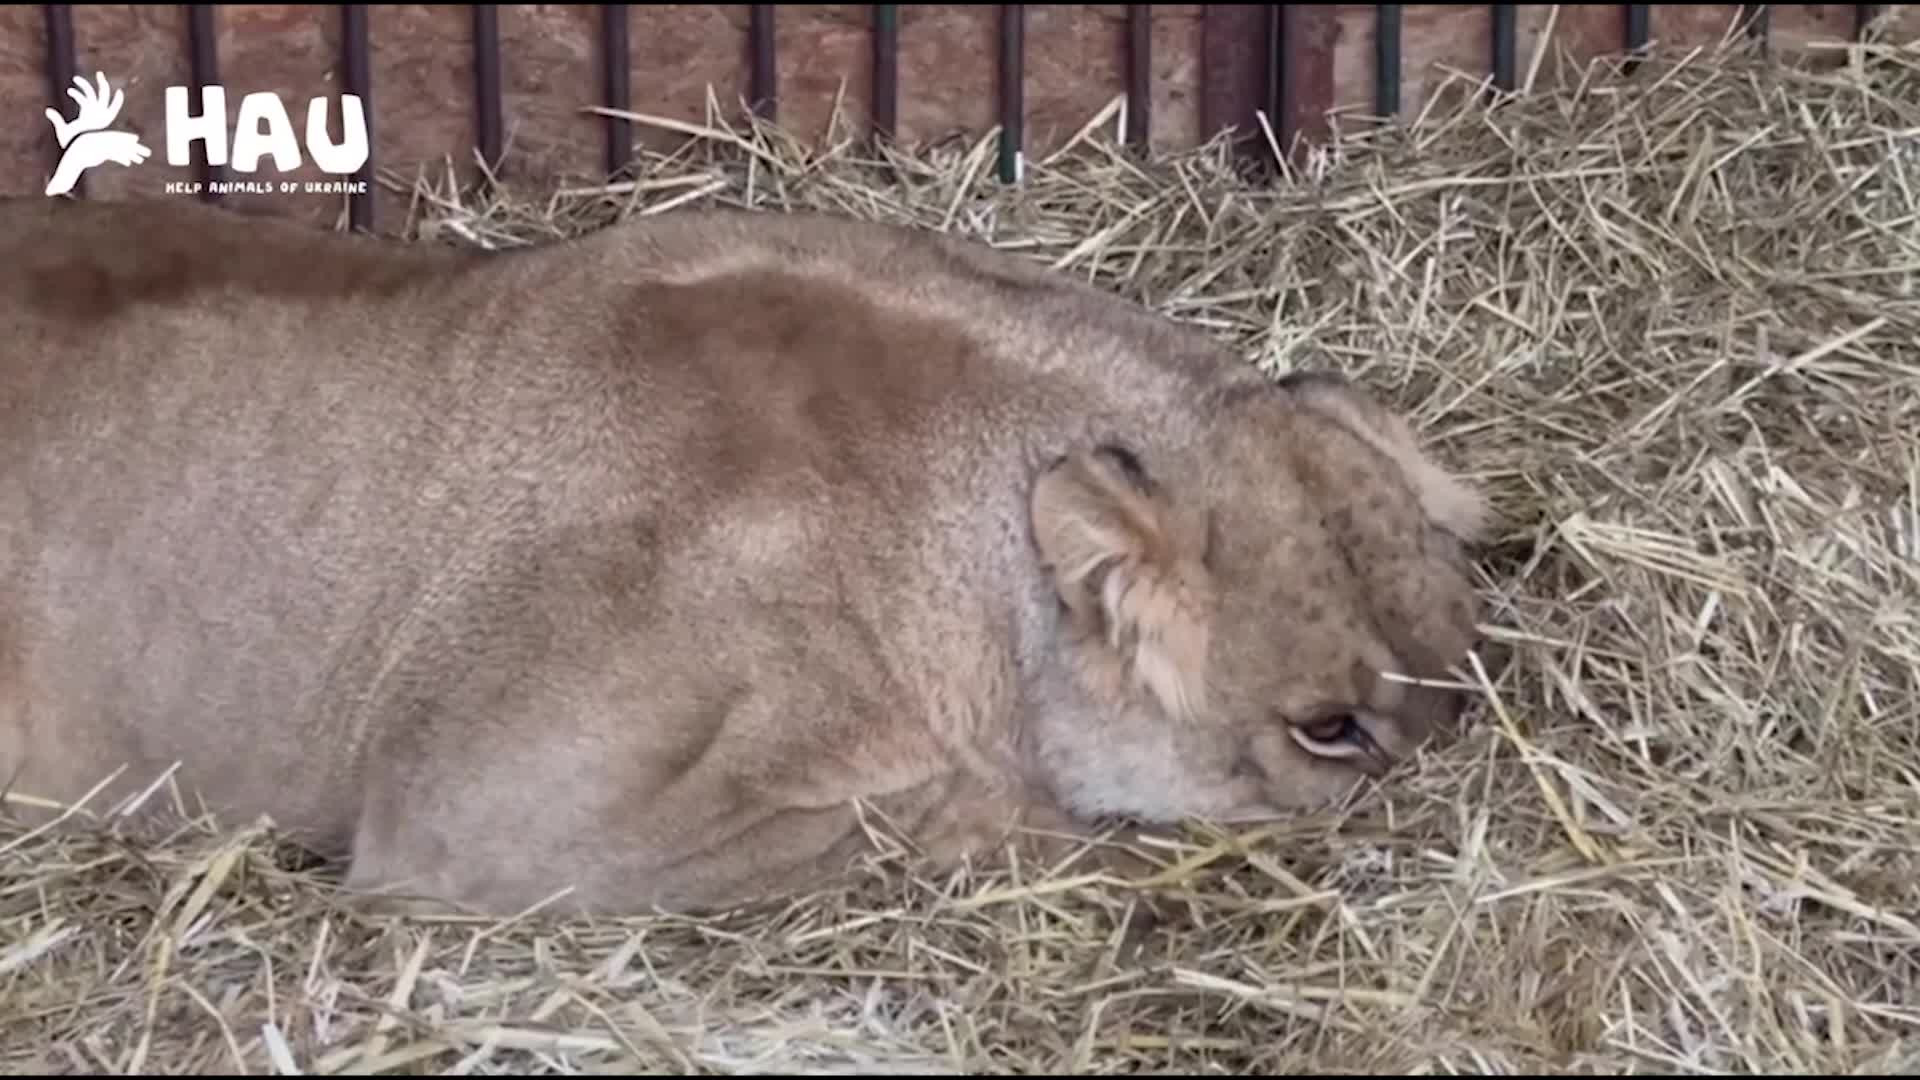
(1331, 729)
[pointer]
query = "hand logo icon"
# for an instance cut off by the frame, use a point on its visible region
(86, 140)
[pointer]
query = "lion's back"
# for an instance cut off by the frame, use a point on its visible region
(256, 475)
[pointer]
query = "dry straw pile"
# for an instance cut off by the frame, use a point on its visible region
(1672, 322)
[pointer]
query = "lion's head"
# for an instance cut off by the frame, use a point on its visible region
(1244, 618)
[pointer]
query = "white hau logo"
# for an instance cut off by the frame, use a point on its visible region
(85, 142)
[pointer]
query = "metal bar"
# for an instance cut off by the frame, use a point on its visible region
(1278, 88)
(1233, 70)
(1013, 24)
(1139, 74)
(203, 57)
(60, 70)
(1639, 25)
(616, 62)
(1386, 59)
(886, 70)
(1863, 16)
(763, 90)
(359, 81)
(486, 82)
(1638, 30)
(1758, 18)
(1504, 47)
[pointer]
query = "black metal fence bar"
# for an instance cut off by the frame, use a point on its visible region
(1013, 106)
(1863, 16)
(1282, 44)
(1297, 78)
(203, 58)
(1758, 19)
(763, 87)
(60, 71)
(616, 84)
(1639, 29)
(486, 83)
(1635, 33)
(1386, 59)
(1139, 74)
(359, 81)
(1505, 49)
(886, 70)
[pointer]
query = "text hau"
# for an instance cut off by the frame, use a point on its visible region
(251, 142)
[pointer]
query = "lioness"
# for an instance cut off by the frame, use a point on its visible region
(650, 563)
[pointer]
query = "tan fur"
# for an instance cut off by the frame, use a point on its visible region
(652, 564)
(1127, 565)
(1450, 503)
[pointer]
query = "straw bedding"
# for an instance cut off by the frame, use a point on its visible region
(1670, 321)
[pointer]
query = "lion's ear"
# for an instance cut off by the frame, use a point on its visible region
(1448, 501)
(1129, 566)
